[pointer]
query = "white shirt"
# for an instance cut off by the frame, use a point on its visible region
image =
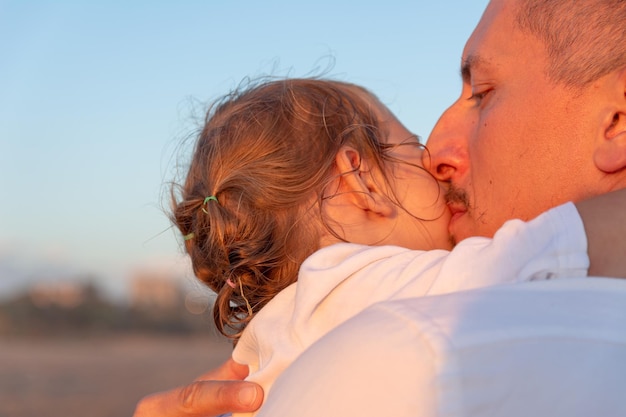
(548, 349)
(340, 281)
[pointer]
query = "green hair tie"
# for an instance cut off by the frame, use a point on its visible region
(206, 200)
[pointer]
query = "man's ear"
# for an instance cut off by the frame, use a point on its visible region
(610, 156)
(358, 178)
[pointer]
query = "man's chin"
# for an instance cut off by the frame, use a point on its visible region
(459, 231)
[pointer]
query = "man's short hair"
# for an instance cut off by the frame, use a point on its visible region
(584, 39)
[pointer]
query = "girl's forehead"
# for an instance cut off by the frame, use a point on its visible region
(395, 131)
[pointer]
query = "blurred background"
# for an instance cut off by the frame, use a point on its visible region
(98, 306)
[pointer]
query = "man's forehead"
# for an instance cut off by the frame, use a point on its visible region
(499, 16)
(495, 25)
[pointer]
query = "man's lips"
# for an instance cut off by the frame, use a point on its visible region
(457, 210)
(458, 204)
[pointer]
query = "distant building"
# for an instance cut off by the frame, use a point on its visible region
(155, 293)
(64, 294)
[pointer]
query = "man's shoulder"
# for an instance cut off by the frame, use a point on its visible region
(536, 348)
(539, 348)
(583, 307)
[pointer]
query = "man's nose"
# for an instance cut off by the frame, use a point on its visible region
(446, 157)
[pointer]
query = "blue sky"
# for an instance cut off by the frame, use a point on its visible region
(95, 97)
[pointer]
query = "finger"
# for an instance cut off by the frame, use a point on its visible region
(202, 399)
(221, 396)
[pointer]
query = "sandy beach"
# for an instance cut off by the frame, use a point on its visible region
(98, 376)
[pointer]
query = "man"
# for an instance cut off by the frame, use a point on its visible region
(541, 120)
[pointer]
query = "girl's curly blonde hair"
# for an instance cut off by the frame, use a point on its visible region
(266, 153)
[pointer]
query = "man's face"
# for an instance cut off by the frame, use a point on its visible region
(515, 143)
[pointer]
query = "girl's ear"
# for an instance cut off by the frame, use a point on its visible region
(359, 181)
(610, 155)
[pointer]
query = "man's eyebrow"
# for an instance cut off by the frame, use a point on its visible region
(471, 61)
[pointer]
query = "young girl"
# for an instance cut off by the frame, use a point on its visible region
(316, 181)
